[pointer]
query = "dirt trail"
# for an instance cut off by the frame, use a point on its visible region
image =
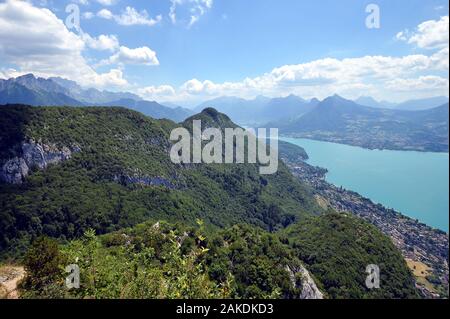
(9, 278)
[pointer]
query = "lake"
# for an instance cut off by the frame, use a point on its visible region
(413, 183)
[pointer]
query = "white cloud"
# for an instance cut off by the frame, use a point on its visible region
(381, 76)
(105, 14)
(195, 86)
(88, 15)
(429, 83)
(402, 35)
(102, 2)
(440, 59)
(107, 2)
(102, 42)
(34, 40)
(113, 78)
(322, 73)
(143, 55)
(130, 16)
(192, 10)
(157, 92)
(432, 34)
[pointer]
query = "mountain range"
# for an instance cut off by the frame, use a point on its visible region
(31, 90)
(413, 125)
(411, 105)
(336, 119)
(262, 110)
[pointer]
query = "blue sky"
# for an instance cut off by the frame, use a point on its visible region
(186, 51)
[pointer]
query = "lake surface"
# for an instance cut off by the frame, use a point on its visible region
(413, 183)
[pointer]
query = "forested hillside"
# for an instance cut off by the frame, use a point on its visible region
(164, 260)
(337, 246)
(119, 174)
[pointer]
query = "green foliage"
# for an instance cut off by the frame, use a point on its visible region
(42, 260)
(256, 259)
(170, 261)
(43, 268)
(337, 249)
(12, 126)
(147, 263)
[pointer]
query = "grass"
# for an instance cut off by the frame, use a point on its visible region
(418, 268)
(421, 271)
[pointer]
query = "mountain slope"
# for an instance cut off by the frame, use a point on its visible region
(337, 247)
(117, 163)
(422, 104)
(410, 105)
(91, 95)
(23, 90)
(39, 84)
(339, 120)
(370, 101)
(55, 91)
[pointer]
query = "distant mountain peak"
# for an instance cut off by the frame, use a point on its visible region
(337, 96)
(370, 101)
(65, 82)
(422, 104)
(366, 98)
(335, 99)
(26, 76)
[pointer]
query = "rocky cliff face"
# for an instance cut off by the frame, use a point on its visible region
(300, 278)
(39, 155)
(33, 155)
(14, 170)
(143, 180)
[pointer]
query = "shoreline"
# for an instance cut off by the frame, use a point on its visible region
(438, 220)
(362, 146)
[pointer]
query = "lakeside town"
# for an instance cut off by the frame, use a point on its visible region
(424, 248)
